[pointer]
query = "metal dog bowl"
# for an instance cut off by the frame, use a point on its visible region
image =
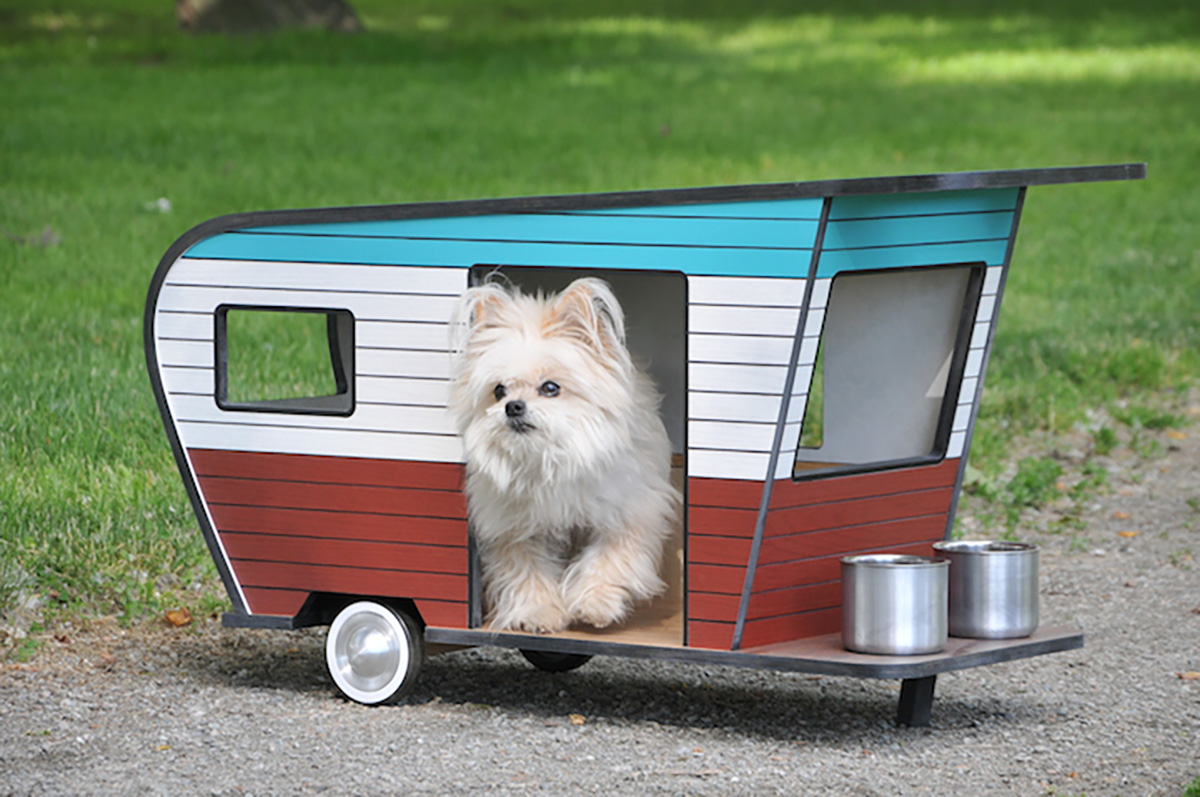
(894, 603)
(993, 588)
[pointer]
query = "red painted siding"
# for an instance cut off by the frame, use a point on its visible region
(294, 524)
(810, 526)
(720, 531)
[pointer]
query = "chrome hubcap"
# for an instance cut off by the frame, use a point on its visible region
(368, 651)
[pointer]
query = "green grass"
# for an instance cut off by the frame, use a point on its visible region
(105, 108)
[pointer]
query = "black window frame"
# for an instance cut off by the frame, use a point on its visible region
(972, 297)
(340, 325)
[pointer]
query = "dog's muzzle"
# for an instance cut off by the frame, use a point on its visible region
(515, 411)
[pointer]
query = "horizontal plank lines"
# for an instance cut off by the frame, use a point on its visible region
(351, 580)
(768, 577)
(709, 405)
(774, 321)
(650, 213)
(373, 416)
(804, 547)
(709, 635)
(746, 291)
(733, 494)
(727, 465)
(778, 603)
(350, 568)
(396, 306)
(724, 493)
(368, 554)
(901, 231)
(334, 497)
(870, 247)
(321, 423)
(929, 214)
(338, 525)
(270, 600)
(719, 522)
(704, 549)
(721, 578)
(800, 625)
(739, 349)
(341, 290)
(264, 541)
(838, 514)
(736, 436)
(334, 470)
(447, 614)
(706, 260)
(537, 242)
(788, 494)
(630, 229)
(417, 280)
(266, 480)
(329, 518)
(986, 252)
(322, 442)
(399, 404)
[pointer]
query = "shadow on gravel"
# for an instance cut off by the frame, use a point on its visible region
(739, 701)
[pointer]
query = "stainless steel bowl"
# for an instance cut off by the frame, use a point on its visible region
(993, 588)
(894, 603)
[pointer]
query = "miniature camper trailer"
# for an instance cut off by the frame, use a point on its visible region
(820, 348)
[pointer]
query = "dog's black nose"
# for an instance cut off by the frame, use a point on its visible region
(514, 409)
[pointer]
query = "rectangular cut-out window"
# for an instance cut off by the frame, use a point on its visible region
(888, 368)
(285, 360)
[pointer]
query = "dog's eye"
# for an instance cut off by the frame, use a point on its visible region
(549, 389)
(499, 392)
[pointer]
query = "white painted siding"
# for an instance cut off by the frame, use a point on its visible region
(741, 333)
(402, 356)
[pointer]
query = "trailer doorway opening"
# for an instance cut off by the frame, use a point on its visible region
(655, 306)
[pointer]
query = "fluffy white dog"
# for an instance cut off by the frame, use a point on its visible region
(568, 463)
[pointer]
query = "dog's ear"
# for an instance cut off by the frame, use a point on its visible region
(588, 310)
(481, 307)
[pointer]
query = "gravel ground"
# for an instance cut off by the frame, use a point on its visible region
(208, 710)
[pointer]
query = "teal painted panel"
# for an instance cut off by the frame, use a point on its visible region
(401, 251)
(579, 228)
(911, 230)
(989, 252)
(876, 205)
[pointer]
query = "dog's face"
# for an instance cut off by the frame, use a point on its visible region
(542, 385)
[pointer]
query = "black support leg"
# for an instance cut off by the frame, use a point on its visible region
(916, 701)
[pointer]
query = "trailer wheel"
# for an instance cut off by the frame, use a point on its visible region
(374, 652)
(551, 661)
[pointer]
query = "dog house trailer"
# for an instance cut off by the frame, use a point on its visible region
(820, 348)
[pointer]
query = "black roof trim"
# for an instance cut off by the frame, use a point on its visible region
(950, 181)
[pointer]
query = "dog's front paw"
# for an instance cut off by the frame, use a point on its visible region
(545, 620)
(600, 605)
(539, 618)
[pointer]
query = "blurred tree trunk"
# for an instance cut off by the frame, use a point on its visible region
(264, 16)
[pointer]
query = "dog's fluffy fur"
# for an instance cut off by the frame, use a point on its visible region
(568, 463)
